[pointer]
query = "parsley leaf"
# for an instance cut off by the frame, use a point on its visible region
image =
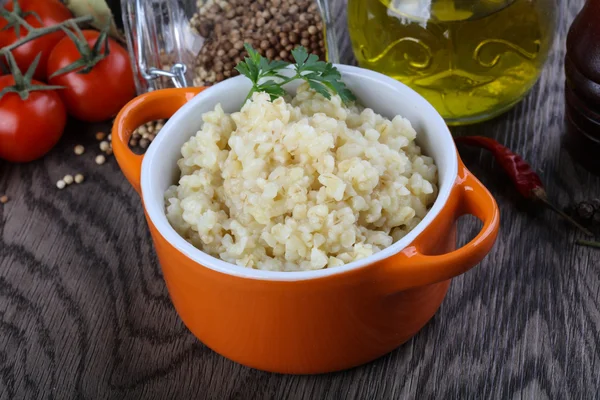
(322, 77)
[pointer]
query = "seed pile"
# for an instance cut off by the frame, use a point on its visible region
(145, 134)
(586, 212)
(273, 27)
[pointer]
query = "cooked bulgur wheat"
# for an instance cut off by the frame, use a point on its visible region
(304, 185)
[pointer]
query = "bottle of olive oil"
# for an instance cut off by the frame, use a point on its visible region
(471, 59)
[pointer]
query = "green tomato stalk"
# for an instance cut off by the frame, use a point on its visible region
(23, 83)
(15, 20)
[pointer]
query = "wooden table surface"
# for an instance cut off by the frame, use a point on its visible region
(84, 311)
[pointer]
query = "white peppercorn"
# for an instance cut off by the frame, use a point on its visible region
(144, 143)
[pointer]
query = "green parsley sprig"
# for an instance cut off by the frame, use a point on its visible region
(266, 75)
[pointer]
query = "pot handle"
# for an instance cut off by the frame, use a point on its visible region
(411, 268)
(159, 104)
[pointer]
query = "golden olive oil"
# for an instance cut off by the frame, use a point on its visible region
(471, 59)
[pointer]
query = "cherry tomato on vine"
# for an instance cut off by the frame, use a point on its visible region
(29, 128)
(102, 82)
(49, 12)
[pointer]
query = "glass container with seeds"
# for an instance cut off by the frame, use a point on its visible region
(177, 43)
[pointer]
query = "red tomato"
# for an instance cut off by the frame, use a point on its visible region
(29, 128)
(99, 94)
(51, 12)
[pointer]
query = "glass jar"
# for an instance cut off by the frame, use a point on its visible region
(199, 42)
(472, 59)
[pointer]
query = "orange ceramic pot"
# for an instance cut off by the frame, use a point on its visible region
(310, 321)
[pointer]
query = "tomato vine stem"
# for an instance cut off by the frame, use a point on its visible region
(34, 33)
(23, 83)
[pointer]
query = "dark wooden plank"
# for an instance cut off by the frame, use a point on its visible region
(84, 312)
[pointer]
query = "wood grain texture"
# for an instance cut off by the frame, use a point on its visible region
(84, 312)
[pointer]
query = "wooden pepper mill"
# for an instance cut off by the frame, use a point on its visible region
(582, 87)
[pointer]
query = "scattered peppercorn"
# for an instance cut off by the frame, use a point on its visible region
(78, 178)
(100, 136)
(586, 212)
(144, 143)
(4, 199)
(100, 159)
(79, 149)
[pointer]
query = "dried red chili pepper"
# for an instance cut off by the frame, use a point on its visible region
(526, 180)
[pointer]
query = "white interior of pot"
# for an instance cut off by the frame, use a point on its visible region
(384, 95)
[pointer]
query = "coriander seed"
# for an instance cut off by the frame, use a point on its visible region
(78, 178)
(144, 143)
(100, 136)
(104, 145)
(272, 26)
(61, 184)
(100, 159)
(68, 179)
(79, 149)
(4, 199)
